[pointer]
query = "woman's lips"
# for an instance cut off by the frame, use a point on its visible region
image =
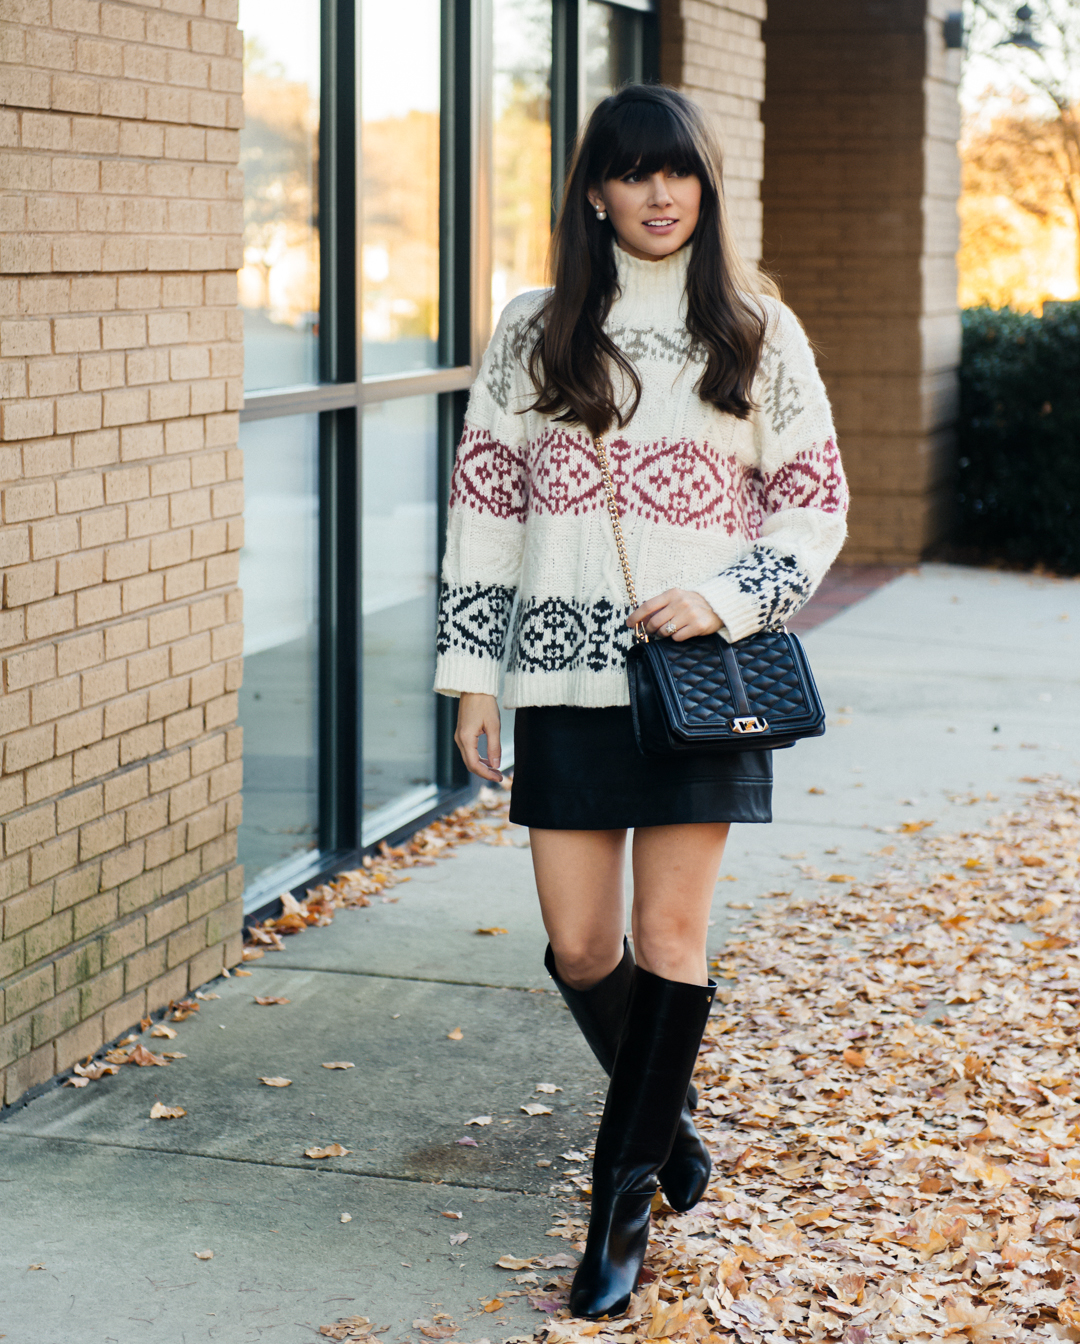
(660, 225)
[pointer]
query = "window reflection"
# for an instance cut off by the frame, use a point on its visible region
(279, 697)
(399, 596)
(613, 38)
(279, 154)
(522, 148)
(400, 250)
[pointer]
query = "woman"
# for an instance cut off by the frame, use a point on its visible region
(733, 501)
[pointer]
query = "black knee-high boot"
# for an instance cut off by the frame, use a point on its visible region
(661, 1033)
(599, 1013)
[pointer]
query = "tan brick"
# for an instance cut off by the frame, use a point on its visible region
(147, 516)
(226, 920)
(73, 335)
(78, 730)
(25, 338)
(140, 441)
(30, 990)
(186, 943)
(58, 536)
(50, 618)
(29, 583)
(60, 1014)
(184, 726)
(141, 743)
(33, 666)
(143, 592)
(102, 526)
(76, 572)
(209, 683)
(121, 865)
(125, 639)
(95, 914)
(83, 1040)
(78, 886)
(125, 789)
(98, 604)
(145, 818)
(121, 1016)
(77, 808)
(76, 967)
(31, 828)
(46, 937)
(124, 560)
(52, 699)
(91, 762)
(49, 779)
(104, 683)
(75, 494)
(82, 651)
(25, 502)
(169, 697)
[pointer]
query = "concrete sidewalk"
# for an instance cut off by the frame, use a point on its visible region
(945, 689)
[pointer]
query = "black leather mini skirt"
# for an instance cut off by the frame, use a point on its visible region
(581, 770)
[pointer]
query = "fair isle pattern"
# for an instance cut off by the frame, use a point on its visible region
(748, 513)
(488, 476)
(557, 634)
(472, 619)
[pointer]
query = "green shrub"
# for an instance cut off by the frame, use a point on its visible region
(1019, 436)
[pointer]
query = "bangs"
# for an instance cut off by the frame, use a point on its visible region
(644, 134)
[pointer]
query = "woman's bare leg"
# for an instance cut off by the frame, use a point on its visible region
(579, 878)
(675, 872)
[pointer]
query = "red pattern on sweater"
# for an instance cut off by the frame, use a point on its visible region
(683, 484)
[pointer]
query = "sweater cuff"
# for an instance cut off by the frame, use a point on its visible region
(457, 674)
(739, 611)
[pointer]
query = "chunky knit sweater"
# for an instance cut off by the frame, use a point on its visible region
(749, 513)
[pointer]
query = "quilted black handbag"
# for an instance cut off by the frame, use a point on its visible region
(705, 694)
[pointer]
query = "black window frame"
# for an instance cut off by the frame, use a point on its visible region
(343, 390)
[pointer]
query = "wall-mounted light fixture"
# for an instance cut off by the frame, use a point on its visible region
(1021, 36)
(954, 30)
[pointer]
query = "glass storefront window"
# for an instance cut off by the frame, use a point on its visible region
(279, 696)
(521, 227)
(400, 212)
(279, 154)
(612, 50)
(400, 549)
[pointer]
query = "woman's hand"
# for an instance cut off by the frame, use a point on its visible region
(478, 715)
(687, 611)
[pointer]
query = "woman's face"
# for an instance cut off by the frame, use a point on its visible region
(652, 214)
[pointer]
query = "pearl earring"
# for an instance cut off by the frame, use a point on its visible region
(601, 215)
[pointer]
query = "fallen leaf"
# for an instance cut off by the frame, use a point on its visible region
(534, 1108)
(159, 1111)
(854, 1059)
(173, 1054)
(253, 953)
(169, 1033)
(76, 1082)
(144, 1058)
(467, 1143)
(560, 1260)
(547, 1088)
(339, 1064)
(35, 1266)
(276, 1082)
(456, 1035)
(513, 1262)
(200, 995)
(238, 971)
(93, 1072)
(265, 999)
(459, 1238)
(479, 1120)
(840, 877)
(204, 1255)
(740, 905)
(331, 1150)
(492, 932)
(572, 1155)
(346, 1218)
(815, 790)
(910, 827)
(447, 1214)
(493, 1305)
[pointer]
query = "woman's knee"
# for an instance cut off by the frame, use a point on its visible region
(585, 962)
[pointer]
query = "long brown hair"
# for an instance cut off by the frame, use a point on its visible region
(648, 127)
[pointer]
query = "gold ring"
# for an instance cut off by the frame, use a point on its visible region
(670, 628)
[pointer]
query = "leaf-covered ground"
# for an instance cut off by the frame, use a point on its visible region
(889, 1084)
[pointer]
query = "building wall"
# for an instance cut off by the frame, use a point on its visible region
(713, 50)
(861, 181)
(120, 371)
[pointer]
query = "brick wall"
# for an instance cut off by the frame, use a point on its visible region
(860, 188)
(712, 49)
(120, 372)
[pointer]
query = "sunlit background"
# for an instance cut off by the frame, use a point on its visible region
(1020, 153)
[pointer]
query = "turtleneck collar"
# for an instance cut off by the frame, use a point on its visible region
(652, 292)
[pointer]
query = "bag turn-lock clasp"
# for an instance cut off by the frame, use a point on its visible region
(750, 725)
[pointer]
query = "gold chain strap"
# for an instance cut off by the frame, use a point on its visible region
(616, 527)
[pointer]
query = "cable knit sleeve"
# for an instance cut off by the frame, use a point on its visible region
(801, 485)
(485, 536)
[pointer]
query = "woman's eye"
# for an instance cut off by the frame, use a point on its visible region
(631, 177)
